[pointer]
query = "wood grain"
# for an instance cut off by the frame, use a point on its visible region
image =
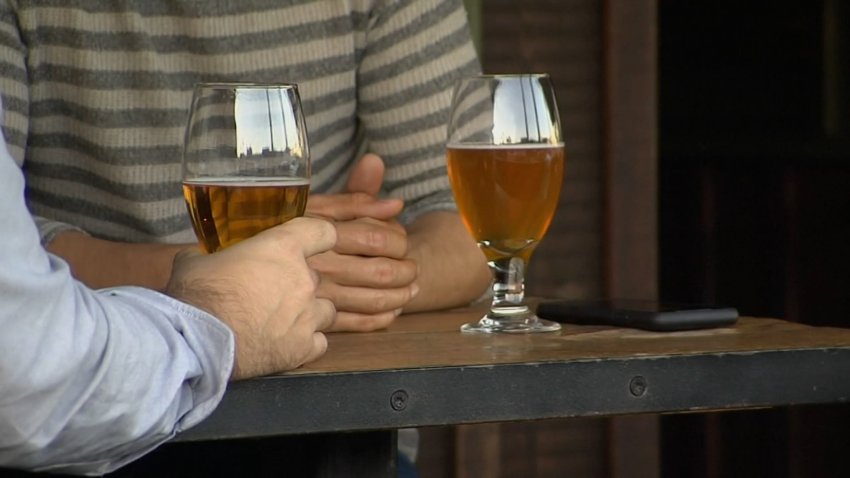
(433, 340)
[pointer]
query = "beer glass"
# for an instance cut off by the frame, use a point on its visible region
(246, 163)
(505, 159)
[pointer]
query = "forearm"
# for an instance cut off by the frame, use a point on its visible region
(100, 263)
(92, 379)
(452, 270)
(127, 369)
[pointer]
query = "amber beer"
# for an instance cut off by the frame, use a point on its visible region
(507, 194)
(225, 211)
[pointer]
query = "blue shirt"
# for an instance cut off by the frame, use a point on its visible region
(93, 379)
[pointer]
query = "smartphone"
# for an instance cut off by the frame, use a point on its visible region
(639, 314)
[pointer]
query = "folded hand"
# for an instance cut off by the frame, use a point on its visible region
(367, 274)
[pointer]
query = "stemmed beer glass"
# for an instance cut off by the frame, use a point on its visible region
(505, 160)
(246, 162)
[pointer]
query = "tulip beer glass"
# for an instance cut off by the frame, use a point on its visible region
(505, 160)
(246, 163)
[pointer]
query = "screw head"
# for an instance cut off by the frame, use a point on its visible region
(398, 400)
(637, 386)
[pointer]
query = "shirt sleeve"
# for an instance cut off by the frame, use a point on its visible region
(415, 50)
(91, 380)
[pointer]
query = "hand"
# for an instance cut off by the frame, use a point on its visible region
(361, 199)
(264, 291)
(367, 275)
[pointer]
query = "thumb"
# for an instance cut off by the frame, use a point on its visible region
(367, 176)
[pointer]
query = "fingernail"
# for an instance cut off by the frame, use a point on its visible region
(414, 290)
(397, 312)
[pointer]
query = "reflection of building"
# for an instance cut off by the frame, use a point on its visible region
(284, 163)
(522, 140)
(292, 153)
(267, 152)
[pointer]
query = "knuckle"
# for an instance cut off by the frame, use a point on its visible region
(361, 198)
(288, 245)
(376, 240)
(310, 287)
(383, 272)
(379, 303)
(316, 278)
(329, 231)
(329, 312)
(302, 286)
(321, 342)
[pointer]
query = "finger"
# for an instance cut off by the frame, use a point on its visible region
(307, 340)
(325, 311)
(388, 223)
(353, 322)
(320, 346)
(344, 207)
(365, 300)
(314, 275)
(312, 236)
(367, 175)
(376, 272)
(321, 315)
(365, 238)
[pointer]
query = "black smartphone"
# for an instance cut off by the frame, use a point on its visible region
(640, 314)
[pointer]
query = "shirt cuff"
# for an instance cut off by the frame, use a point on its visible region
(209, 338)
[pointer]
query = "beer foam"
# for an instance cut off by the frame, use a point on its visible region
(480, 146)
(247, 181)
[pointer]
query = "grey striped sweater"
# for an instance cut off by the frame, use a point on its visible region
(96, 96)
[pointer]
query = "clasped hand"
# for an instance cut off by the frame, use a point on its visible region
(367, 274)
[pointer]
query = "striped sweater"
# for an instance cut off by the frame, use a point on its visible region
(97, 92)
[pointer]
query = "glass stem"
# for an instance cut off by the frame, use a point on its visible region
(509, 283)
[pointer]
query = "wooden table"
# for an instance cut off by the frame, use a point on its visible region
(422, 372)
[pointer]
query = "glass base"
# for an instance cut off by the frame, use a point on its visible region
(511, 319)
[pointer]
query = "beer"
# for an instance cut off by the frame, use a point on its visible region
(225, 211)
(507, 194)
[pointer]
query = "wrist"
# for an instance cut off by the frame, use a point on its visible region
(99, 263)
